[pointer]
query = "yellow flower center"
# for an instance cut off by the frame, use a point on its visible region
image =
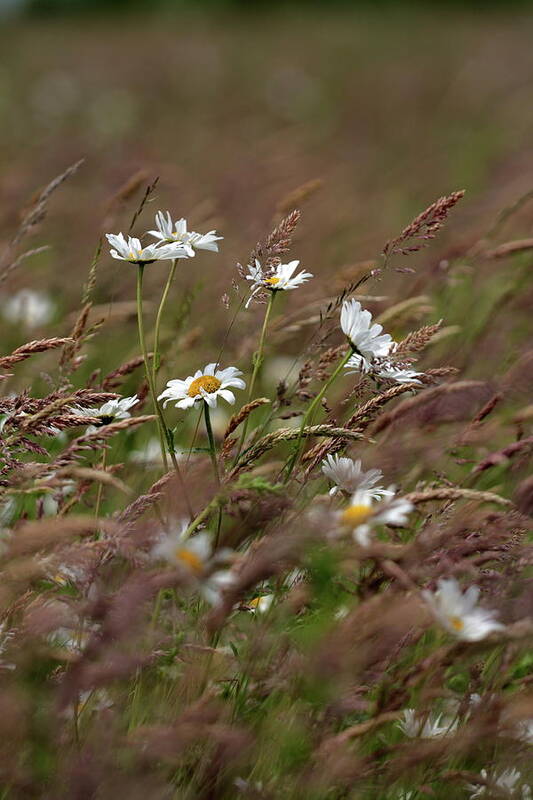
(255, 602)
(272, 281)
(356, 514)
(457, 623)
(207, 383)
(190, 559)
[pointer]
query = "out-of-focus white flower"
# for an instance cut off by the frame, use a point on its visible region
(509, 781)
(7, 510)
(425, 726)
(72, 640)
(168, 231)
(394, 372)
(382, 369)
(260, 604)
(28, 308)
(90, 700)
(394, 512)
(195, 556)
(459, 613)
(524, 731)
(364, 336)
(111, 411)
(278, 279)
(132, 250)
(207, 384)
(294, 577)
(248, 786)
(357, 515)
(150, 454)
(51, 501)
(362, 514)
(348, 476)
(6, 634)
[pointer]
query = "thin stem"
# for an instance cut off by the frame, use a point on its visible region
(216, 502)
(142, 339)
(212, 446)
(258, 360)
(162, 304)
(164, 434)
(307, 417)
(100, 485)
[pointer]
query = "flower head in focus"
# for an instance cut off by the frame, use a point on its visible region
(349, 476)
(29, 308)
(176, 232)
(364, 336)
(278, 279)
(509, 782)
(132, 250)
(459, 613)
(207, 384)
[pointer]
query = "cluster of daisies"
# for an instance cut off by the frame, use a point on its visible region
(173, 241)
(370, 505)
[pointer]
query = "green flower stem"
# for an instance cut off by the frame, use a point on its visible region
(307, 418)
(212, 446)
(258, 360)
(160, 310)
(217, 502)
(165, 437)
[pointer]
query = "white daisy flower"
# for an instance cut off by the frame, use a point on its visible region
(382, 369)
(168, 231)
(132, 250)
(393, 372)
(362, 515)
(260, 604)
(150, 454)
(364, 336)
(425, 726)
(524, 731)
(459, 613)
(509, 781)
(207, 384)
(195, 556)
(395, 513)
(111, 411)
(212, 588)
(348, 476)
(28, 308)
(281, 278)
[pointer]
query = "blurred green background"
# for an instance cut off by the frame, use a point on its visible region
(388, 106)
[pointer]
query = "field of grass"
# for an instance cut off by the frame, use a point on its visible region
(187, 608)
